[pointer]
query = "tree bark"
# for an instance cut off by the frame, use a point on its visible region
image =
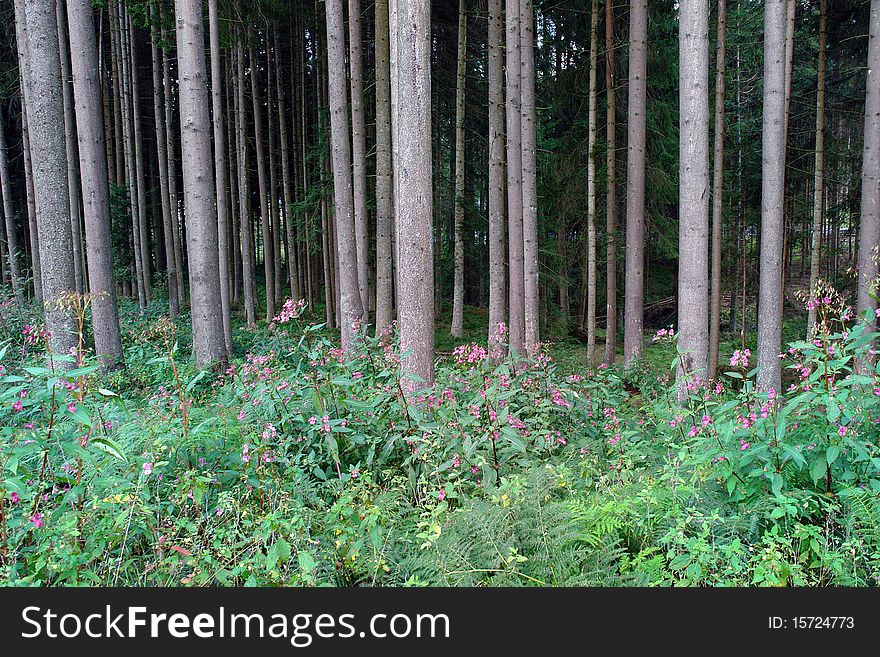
(351, 306)
(717, 192)
(869, 232)
(384, 184)
(12, 248)
(140, 181)
(198, 186)
(516, 268)
(247, 254)
(457, 329)
(611, 192)
(772, 197)
(819, 171)
(591, 187)
(635, 185)
(287, 193)
(358, 152)
(497, 270)
(531, 326)
(693, 240)
(94, 179)
(411, 57)
(45, 121)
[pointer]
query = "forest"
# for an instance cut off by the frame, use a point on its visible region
(406, 293)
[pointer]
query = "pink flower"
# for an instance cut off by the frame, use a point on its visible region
(71, 407)
(37, 520)
(14, 498)
(17, 405)
(441, 495)
(842, 431)
(148, 469)
(241, 415)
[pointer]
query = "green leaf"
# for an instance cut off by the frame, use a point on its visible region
(817, 470)
(306, 561)
(832, 453)
(109, 446)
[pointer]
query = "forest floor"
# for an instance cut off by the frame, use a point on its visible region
(303, 465)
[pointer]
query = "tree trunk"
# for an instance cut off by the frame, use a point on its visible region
(411, 57)
(635, 184)
(220, 172)
(611, 192)
(140, 182)
(262, 182)
(531, 317)
(70, 128)
(819, 173)
(40, 60)
(497, 269)
(94, 180)
(12, 249)
(457, 329)
(772, 196)
(358, 152)
(162, 157)
(351, 306)
(591, 188)
(513, 71)
(869, 233)
(290, 241)
(384, 185)
(247, 254)
(717, 192)
(274, 244)
(693, 241)
(198, 186)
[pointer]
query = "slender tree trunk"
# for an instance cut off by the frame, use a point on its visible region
(12, 249)
(635, 184)
(45, 116)
(262, 182)
(717, 192)
(513, 71)
(140, 182)
(411, 58)
(176, 238)
(772, 196)
(273, 244)
(290, 241)
(247, 254)
(529, 179)
(869, 233)
(458, 228)
(358, 152)
(591, 188)
(33, 232)
(384, 184)
(351, 306)
(162, 157)
(611, 192)
(94, 179)
(819, 173)
(497, 269)
(198, 186)
(70, 129)
(220, 173)
(693, 241)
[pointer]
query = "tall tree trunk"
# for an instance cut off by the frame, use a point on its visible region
(457, 329)
(94, 180)
(162, 157)
(220, 173)
(274, 245)
(869, 232)
(635, 184)
(819, 172)
(531, 317)
(611, 192)
(12, 249)
(384, 185)
(351, 306)
(45, 121)
(70, 129)
(411, 57)
(513, 71)
(290, 240)
(247, 254)
(591, 187)
(717, 192)
(693, 240)
(176, 238)
(198, 187)
(497, 269)
(140, 181)
(129, 150)
(33, 232)
(358, 152)
(262, 182)
(772, 196)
